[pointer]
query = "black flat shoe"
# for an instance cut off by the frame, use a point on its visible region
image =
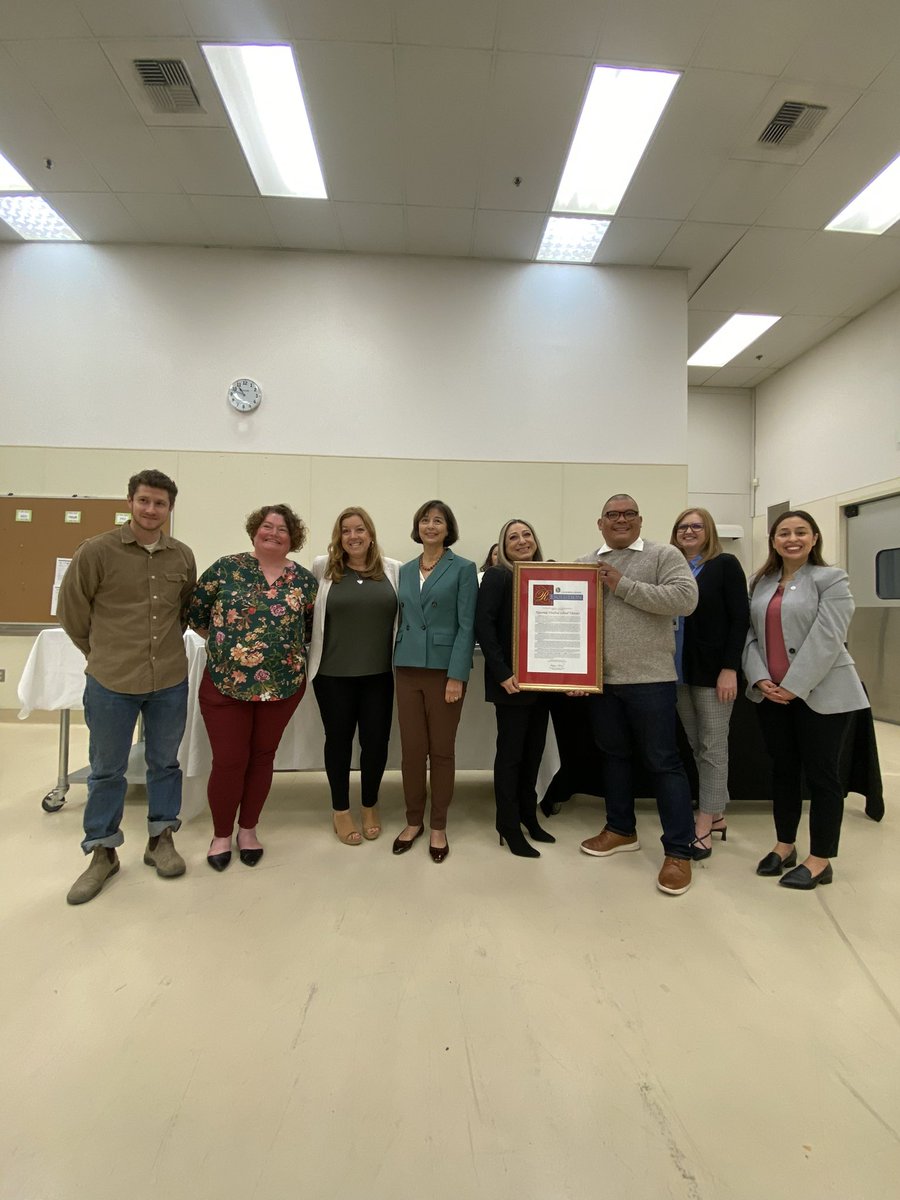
(801, 879)
(219, 862)
(401, 846)
(251, 857)
(438, 853)
(550, 808)
(774, 864)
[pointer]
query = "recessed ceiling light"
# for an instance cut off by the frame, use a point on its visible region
(735, 335)
(10, 179)
(876, 208)
(571, 240)
(621, 110)
(34, 220)
(261, 90)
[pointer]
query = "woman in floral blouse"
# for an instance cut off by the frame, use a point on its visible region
(256, 611)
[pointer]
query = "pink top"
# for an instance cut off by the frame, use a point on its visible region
(776, 651)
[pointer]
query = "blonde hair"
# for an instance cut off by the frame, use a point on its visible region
(337, 558)
(712, 547)
(502, 560)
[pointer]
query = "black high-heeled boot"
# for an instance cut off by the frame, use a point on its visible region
(515, 839)
(536, 833)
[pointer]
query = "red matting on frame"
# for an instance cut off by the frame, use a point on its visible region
(524, 575)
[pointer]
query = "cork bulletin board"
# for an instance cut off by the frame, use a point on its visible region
(30, 546)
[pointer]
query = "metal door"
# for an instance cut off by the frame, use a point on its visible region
(873, 558)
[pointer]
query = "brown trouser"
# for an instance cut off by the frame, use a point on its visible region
(428, 727)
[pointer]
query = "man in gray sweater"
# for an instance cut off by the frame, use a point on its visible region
(647, 586)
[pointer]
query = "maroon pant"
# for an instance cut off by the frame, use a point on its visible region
(244, 735)
(428, 727)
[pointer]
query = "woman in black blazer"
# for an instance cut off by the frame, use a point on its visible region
(708, 648)
(521, 716)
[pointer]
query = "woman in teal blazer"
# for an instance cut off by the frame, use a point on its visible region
(433, 658)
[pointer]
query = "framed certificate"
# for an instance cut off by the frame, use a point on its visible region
(558, 627)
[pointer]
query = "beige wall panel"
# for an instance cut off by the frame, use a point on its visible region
(51, 471)
(485, 495)
(659, 491)
(390, 490)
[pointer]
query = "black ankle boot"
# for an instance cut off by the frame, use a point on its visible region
(536, 833)
(515, 839)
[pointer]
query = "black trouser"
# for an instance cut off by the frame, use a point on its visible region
(580, 762)
(801, 741)
(348, 702)
(521, 732)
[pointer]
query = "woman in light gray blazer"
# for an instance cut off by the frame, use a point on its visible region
(354, 624)
(804, 681)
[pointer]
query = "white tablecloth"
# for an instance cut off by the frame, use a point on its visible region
(54, 679)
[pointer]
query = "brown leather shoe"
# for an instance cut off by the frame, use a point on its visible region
(606, 842)
(675, 876)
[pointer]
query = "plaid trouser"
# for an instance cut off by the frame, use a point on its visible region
(706, 723)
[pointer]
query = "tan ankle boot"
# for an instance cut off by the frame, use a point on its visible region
(161, 853)
(104, 864)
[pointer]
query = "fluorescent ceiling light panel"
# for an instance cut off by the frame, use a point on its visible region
(571, 240)
(735, 335)
(876, 208)
(34, 220)
(10, 179)
(620, 112)
(261, 90)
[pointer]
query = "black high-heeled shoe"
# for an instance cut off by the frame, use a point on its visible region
(721, 830)
(518, 846)
(699, 850)
(550, 808)
(537, 834)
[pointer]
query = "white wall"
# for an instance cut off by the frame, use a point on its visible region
(720, 460)
(394, 357)
(830, 422)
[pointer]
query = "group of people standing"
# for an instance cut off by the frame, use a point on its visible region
(360, 626)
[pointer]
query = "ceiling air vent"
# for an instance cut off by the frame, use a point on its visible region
(167, 85)
(792, 124)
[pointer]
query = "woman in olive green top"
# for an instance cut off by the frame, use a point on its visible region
(255, 610)
(350, 665)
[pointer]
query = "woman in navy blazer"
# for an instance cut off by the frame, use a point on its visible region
(803, 679)
(708, 650)
(433, 658)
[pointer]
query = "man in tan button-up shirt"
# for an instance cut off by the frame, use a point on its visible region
(123, 603)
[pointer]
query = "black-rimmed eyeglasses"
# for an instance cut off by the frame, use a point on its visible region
(629, 514)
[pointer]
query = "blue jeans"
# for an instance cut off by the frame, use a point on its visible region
(111, 718)
(639, 718)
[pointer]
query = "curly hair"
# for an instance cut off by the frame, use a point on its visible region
(295, 526)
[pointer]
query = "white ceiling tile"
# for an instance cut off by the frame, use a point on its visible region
(372, 228)
(699, 376)
(237, 20)
(692, 142)
(443, 95)
(733, 377)
(468, 23)
(848, 43)
(871, 276)
(96, 218)
(532, 107)
(446, 231)
(664, 34)
(740, 191)
(235, 220)
(352, 99)
(33, 18)
(702, 324)
(810, 279)
(700, 249)
(340, 20)
(760, 38)
(635, 243)
(304, 224)
(206, 161)
(514, 235)
(540, 28)
(166, 218)
(888, 82)
(76, 80)
(773, 349)
(746, 267)
(122, 53)
(135, 18)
